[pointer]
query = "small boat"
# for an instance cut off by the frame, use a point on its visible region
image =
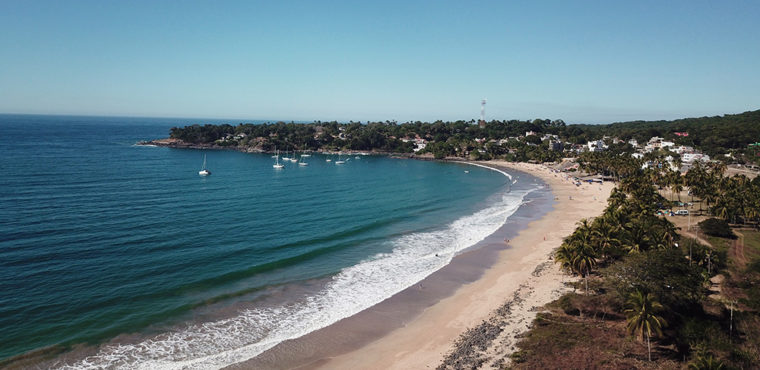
(285, 158)
(275, 153)
(302, 162)
(277, 164)
(204, 171)
(465, 171)
(339, 161)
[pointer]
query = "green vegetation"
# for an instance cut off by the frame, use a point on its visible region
(714, 135)
(751, 240)
(716, 227)
(498, 139)
(644, 281)
(734, 199)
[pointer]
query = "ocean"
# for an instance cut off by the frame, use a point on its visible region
(114, 255)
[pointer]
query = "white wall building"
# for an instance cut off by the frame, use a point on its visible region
(691, 157)
(596, 146)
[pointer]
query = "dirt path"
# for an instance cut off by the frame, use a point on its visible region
(682, 223)
(736, 252)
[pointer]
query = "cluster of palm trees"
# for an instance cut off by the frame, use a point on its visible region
(735, 199)
(609, 164)
(628, 225)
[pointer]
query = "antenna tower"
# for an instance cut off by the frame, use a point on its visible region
(482, 122)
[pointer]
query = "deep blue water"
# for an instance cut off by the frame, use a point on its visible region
(99, 237)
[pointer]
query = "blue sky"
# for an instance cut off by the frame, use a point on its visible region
(581, 61)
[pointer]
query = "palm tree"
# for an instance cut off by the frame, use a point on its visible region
(752, 212)
(636, 239)
(603, 234)
(668, 231)
(721, 209)
(564, 255)
(584, 260)
(616, 199)
(643, 321)
(719, 169)
(677, 184)
(660, 241)
(706, 362)
(577, 253)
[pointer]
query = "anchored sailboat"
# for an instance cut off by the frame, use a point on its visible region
(339, 161)
(204, 171)
(277, 164)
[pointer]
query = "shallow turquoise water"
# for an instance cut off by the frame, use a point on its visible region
(100, 237)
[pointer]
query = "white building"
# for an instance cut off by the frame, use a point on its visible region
(420, 144)
(596, 146)
(549, 137)
(691, 157)
(682, 149)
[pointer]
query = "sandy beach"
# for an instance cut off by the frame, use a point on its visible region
(523, 278)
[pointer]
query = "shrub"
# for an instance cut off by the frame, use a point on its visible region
(567, 305)
(716, 227)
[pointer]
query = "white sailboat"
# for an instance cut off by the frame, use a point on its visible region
(285, 157)
(339, 161)
(277, 164)
(303, 162)
(294, 158)
(204, 171)
(275, 153)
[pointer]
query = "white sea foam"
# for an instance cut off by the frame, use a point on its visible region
(220, 343)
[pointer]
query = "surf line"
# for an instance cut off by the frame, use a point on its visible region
(488, 167)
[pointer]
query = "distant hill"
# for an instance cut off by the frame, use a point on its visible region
(713, 135)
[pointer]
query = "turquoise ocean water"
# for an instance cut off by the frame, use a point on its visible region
(125, 250)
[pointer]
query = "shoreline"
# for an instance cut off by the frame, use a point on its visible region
(396, 311)
(179, 144)
(441, 298)
(503, 298)
(469, 273)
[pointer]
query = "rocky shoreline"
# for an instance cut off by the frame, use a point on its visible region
(179, 144)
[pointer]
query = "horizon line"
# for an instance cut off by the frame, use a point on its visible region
(339, 121)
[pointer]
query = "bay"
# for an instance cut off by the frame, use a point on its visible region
(100, 238)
